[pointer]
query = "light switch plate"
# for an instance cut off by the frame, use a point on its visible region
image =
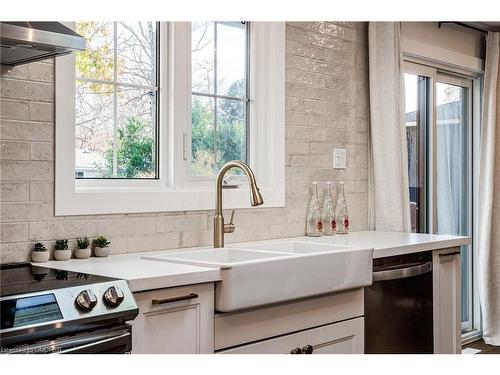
(339, 158)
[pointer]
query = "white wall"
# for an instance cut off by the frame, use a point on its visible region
(449, 43)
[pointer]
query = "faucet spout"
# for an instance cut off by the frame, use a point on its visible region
(255, 198)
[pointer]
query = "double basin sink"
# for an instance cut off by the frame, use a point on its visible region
(269, 272)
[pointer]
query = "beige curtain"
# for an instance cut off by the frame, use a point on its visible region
(488, 195)
(389, 206)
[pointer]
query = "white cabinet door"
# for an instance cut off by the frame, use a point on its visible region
(175, 321)
(447, 301)
(339, 338)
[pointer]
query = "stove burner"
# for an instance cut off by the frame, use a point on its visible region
(19, 278)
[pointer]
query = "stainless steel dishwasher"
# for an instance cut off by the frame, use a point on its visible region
(398, 305)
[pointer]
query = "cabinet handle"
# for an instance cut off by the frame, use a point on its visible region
(308, 349)
(296, 351)
(174, 299)
(450, 254)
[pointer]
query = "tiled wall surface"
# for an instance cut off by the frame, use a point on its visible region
(326, 107)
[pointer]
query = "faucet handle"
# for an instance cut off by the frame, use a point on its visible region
(229, 228)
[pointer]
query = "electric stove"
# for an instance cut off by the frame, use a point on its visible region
(45, 310)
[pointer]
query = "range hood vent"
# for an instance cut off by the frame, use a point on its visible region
(25, 42)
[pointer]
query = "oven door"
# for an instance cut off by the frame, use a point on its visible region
(115, 340)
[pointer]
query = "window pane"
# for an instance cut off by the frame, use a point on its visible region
(202, 137)
(116, 122)
(96, 62)
(231, 62)
(231, 131)
(453, 176)
(203, 59)
(452, 160)
(94, 129)
(219, 53)
(135, 149)
(136, 53)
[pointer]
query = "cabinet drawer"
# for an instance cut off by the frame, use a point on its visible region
(239, 328)
(175, 321)
(339, 338)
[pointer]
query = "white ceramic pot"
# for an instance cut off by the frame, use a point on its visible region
(40, 256)
(101, 251)
(82, 253)
(62, 254)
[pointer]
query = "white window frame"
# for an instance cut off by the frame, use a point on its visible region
(172, 191)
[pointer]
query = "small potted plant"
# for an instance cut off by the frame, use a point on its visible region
(40, 253)
(101, 248)
(82, 250)
(61, 251)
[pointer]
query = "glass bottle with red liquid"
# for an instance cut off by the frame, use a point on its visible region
(329, 223)
(314, 221)
(341, 213)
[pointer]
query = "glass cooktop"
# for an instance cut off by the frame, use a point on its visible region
(21, 278)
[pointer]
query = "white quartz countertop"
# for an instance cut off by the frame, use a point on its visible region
(386, 244)
(141, 274)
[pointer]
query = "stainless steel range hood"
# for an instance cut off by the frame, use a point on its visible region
(24, 42)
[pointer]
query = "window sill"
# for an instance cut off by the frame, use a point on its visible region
(93, 201)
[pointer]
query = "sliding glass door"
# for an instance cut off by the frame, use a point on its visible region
(439, 130)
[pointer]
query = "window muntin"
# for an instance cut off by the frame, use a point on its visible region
(116, 101)
(219, 98)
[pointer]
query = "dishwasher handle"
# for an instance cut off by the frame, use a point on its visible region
(402, 273)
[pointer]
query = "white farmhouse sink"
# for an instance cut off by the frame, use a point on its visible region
(295, 247)
(221, 257)
(263, 273)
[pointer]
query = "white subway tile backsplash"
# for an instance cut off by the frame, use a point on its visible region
(14, 191)
(23, 130)
(41, 151)
(13, 232)
(12, 150)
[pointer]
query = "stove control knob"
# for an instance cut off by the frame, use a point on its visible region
(113, 296)
(86, 300)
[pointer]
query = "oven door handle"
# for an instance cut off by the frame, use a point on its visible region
(402, 273)
(93, 344)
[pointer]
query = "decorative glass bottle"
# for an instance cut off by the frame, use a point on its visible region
(329, 223)
(314, 225)
(341, 213)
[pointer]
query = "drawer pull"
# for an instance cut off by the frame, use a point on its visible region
(174, 299)
(308, 349)
(296, 351)
(450, 254)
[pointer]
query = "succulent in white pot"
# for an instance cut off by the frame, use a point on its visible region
(82, 250)
(101, 248)
(61, 251)
(40, 254)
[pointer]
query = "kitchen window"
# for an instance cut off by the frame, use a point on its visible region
(442, 122)
(147, 115)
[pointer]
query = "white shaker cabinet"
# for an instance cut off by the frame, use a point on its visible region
(447, 301)
(175, 321)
